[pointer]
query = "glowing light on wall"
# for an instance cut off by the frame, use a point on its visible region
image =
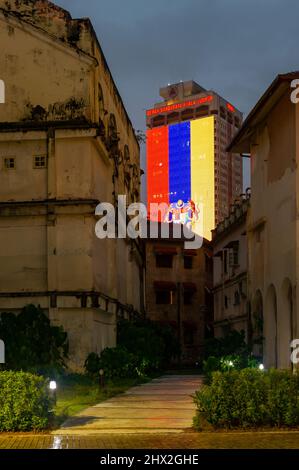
(180, 173)
(230, 107)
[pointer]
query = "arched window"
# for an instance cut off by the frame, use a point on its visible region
(112, 130)
(101, 101)
(126, 154)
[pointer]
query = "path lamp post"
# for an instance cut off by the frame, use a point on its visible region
(53, 388)
(102, 380)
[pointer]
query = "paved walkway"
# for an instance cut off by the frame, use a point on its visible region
(164, 405)
(157, 415)
(186, 440)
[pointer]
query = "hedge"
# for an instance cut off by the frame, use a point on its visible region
(249, 398)
(24, 402)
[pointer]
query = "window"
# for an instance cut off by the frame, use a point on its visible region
(164, 297)
(9, 163)
(173, 117)
(236, 255)
(158, 120)
(188, 262)
(188, 336)
(237, 298)
(164, 261)
(101, 101)
(225, 261)
(39, 161)
(187, 114)
(188, 296)
(202, 111)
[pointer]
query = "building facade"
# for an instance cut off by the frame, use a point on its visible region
(178, 291)
(231, 309)
(66, 144)
(270, 135)
(188, 166)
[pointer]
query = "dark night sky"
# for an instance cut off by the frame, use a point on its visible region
(235, 47)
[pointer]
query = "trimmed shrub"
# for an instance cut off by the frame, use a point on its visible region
(24, 402)
(249, 398)
(156, 344)
(116, 362)
(225, 363)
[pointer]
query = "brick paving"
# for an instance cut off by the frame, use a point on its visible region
(186, 440)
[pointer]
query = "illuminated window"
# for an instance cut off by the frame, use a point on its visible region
(9, 163)
(164, 261)
(39, 161)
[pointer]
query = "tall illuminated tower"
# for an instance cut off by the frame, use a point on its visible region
(188, 168)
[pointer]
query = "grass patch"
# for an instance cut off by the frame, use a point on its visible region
(76, 392)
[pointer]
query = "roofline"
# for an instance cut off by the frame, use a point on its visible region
(279, 79)
(111, 76)
(14, 15)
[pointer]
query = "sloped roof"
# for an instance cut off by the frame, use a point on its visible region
(241, 141)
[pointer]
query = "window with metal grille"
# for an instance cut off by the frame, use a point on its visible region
(164, 297)
(39, 161)
(164, 260)
(9, 163)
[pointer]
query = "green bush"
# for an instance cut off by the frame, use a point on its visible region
(92, 364)
(154, 343)
(24, 402)
(32, 343)
(225, 363)
(116, 362)
(231, 344)
(249, 398)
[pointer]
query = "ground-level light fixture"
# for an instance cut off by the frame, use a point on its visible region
(53, 385)
(53, 388)
(261, 367)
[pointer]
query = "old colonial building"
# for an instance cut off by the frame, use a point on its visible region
(271, 135)
(178, 291)
(229, 242)
(66, 143)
